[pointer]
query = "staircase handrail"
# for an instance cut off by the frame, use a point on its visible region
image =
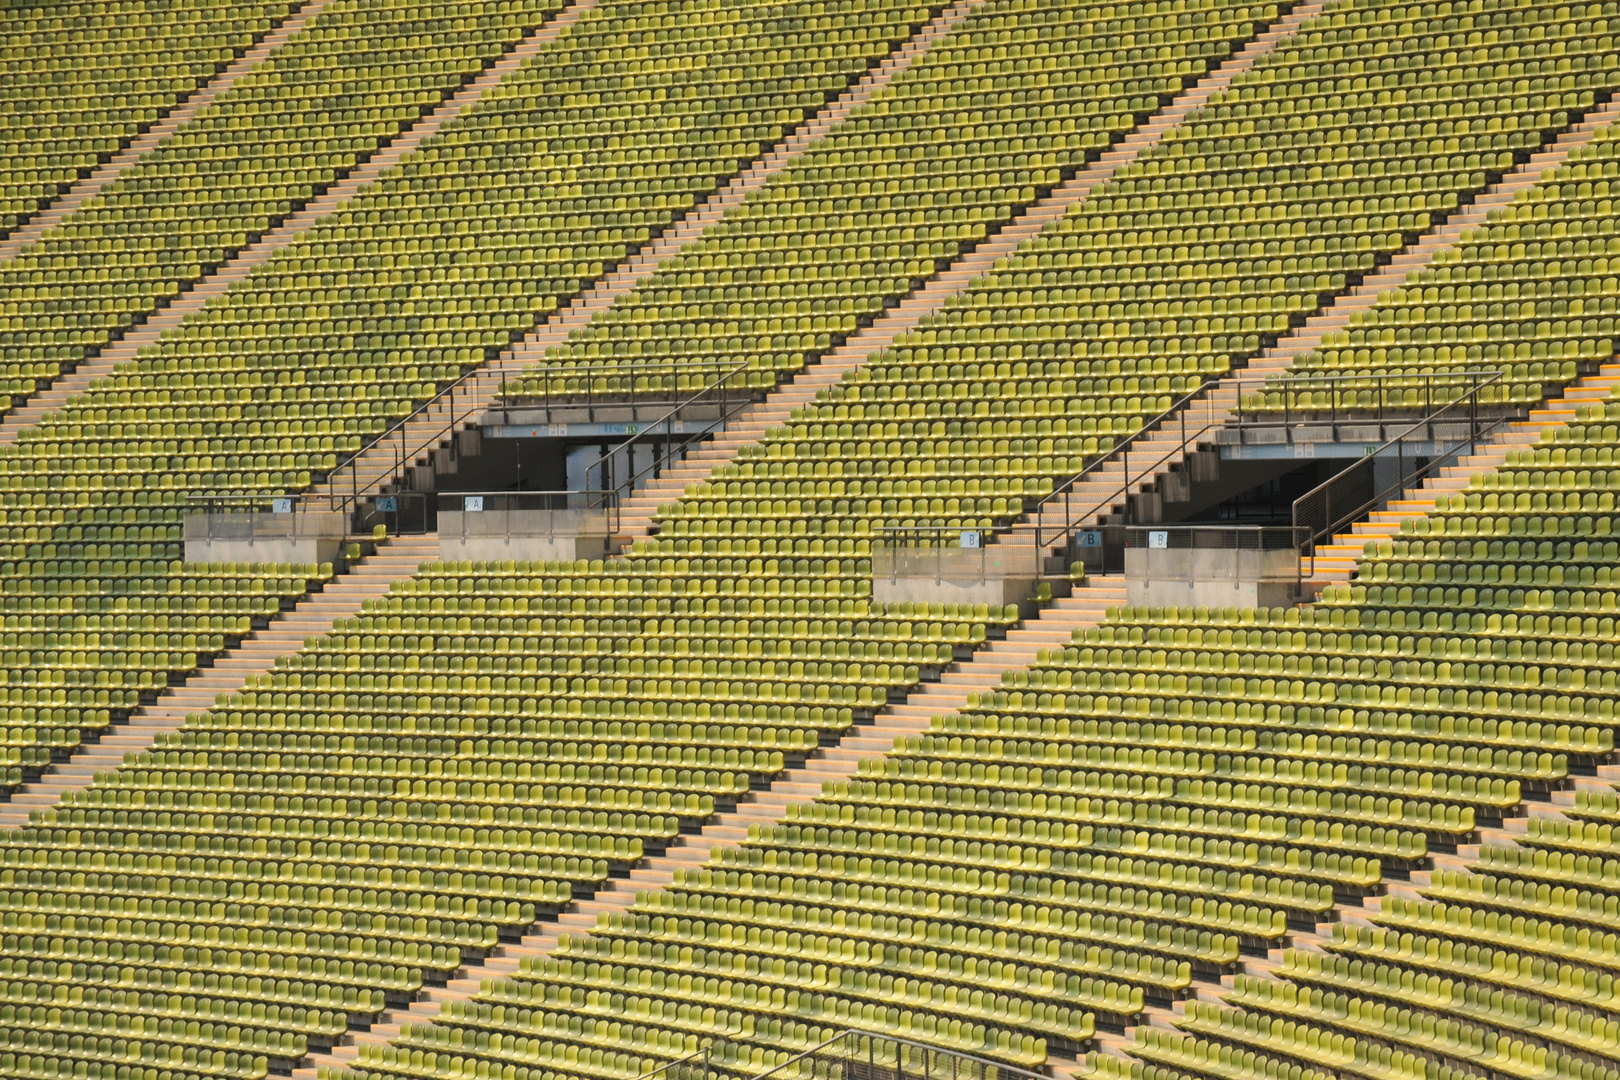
(1332, 525)
(668, 450)
(1122, 451)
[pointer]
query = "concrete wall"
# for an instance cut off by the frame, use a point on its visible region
(1209, 577)
(931, 590)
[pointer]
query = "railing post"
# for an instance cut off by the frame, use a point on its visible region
(1125, 457)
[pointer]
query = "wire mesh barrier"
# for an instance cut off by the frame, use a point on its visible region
(1106, 549)
(229, 517)
(853, 1055)
(943, 552)
(470, 515)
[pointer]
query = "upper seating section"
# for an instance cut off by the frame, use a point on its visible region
(1300, 177)
(343, 86)
(365, 314)
(562, 169)
(989, 119)
(1530, 293)
(1156, 281)
(79, 80)
(1196, 255)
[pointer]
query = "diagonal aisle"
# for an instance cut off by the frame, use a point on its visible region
(640, 510)
(312, 616)
(85, 79)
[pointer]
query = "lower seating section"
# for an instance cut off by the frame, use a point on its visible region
(266, 388)
(1138, 809)
(1530, 294)
(85, 640)
(345, 85)
(448, 765)
(1001, 110)
(79, 80)
(1175, 788)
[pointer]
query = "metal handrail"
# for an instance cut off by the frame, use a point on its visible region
(1290, 414)
(701, 1052)
(1154, 425)
(667, 449)
(889, 539)
(404, 456)
(1403, 479)
(1122, 451)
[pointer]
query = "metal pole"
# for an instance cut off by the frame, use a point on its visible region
(1126, 457)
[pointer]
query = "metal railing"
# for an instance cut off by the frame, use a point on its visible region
(407, 513)
(644, 379)
(1300, 405)
(1342, 499)
(1191, 424)
(665, 449)
(852, 1055)
(1193, 416)
(404, 455)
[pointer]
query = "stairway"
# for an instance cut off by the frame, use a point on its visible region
(794, 787)
(310, 618)
(1337, 561)
(102, 176)
(639, 512)
(237, 267)
(435, 425)
(1102, 493)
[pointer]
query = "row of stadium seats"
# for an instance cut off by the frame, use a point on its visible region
(1209, 245)
(88, 640)
(449, 764)
(1044, 364)
(79, 80)
(1531, 293)
(1230, 797)
(104, 482)
(981, 125)
(329, 97)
